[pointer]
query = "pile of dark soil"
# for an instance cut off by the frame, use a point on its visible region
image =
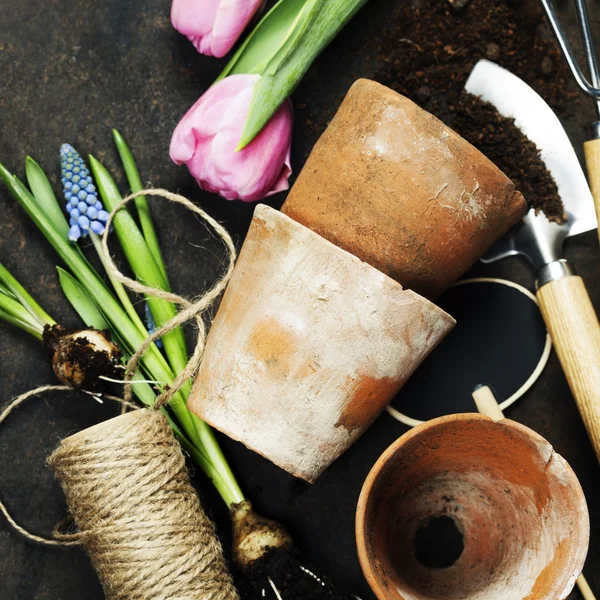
(504, 144)
(428, 52)
(293, 580)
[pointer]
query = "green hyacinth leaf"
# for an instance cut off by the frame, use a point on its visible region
(44, 196)
(16, 291)
(81, 301)
(141, 202)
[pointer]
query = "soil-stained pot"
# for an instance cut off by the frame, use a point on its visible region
(516, 503)
(308, 346)
(391, 184)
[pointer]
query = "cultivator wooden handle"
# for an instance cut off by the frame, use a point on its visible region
(575, 331)
(591, 150)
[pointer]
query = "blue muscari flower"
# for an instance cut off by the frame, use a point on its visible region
(151, 325)
(86, 212)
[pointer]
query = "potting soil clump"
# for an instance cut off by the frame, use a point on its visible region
(429, 51)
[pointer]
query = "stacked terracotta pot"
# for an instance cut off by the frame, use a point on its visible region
(326, 315)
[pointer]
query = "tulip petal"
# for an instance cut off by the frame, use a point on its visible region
(282, 182)
(231, 20)
(208, 135)
(213, 111)
(213, 26)
(194, 17)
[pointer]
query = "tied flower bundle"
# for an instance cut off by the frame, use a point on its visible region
(236, 139)
(93, 356)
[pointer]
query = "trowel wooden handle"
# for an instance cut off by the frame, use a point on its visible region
(591, 150)
(575, 332)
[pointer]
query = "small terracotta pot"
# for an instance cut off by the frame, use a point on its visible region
(308, 346)
(517, 504)
(391, 184)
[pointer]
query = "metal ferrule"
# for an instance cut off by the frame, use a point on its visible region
(594, 131)
(559, 269)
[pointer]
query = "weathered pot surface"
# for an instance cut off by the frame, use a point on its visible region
(393, 185)
(518, 514)
(308, 346)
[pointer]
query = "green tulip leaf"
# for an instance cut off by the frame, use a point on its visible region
(269, 36)
(320, 22)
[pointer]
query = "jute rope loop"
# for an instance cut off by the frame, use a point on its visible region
(190, 309)
(526, 386)
(59, 540)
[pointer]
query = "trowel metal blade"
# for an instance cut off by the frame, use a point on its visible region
(513, 98)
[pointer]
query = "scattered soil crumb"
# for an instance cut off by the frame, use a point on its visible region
(286, 572)
(428, 52)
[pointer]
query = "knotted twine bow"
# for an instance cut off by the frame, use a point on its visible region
(139, 517)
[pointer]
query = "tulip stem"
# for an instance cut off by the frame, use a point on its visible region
(143, 253)
(146, 264)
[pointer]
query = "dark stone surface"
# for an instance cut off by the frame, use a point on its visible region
(71, 70)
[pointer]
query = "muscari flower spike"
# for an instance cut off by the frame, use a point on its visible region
(86, 212)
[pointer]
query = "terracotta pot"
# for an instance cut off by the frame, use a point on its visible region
(517, 504)
(391, 184)
(308, 346)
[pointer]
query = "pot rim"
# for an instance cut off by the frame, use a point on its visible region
(365, 561)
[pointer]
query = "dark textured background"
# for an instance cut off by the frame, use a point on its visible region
(69, 71)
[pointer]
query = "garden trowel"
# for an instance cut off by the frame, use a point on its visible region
(563, 298)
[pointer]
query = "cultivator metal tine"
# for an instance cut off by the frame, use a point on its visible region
(591, 89)
(588, 42)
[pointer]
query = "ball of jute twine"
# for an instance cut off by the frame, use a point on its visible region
(127, 488)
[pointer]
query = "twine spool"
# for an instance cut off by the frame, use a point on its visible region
(137, 515)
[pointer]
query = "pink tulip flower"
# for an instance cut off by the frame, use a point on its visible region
(213, 26)
(208, 135)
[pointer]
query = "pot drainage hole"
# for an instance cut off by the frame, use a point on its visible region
(438, 542)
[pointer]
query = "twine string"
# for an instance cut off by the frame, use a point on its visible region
(60, 539)
(191, 309)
